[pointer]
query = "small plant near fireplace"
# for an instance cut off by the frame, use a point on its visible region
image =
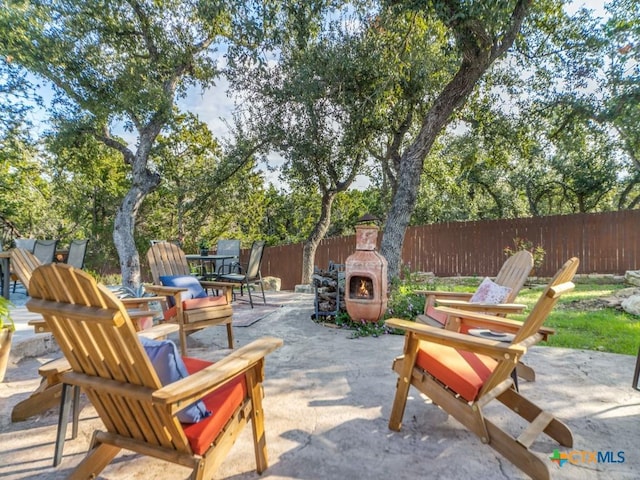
(361, 328)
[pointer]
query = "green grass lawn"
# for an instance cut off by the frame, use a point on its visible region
(581, 321)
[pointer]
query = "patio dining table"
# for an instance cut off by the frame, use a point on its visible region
(204, 259)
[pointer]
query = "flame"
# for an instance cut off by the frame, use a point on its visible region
(363, 291)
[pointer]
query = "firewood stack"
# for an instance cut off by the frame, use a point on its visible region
(329, 289)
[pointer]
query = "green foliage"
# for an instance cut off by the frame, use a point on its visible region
(5, 316)
(402, 301)
(523, 244)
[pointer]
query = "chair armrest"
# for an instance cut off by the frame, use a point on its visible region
(439, 294)
(453, 339)
(479, 320)
(217, 285)
(138, 302)
(493, 308)
(159, 331)
(165, 291)
(212, 377)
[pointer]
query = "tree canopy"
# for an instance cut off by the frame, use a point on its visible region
(453, 111)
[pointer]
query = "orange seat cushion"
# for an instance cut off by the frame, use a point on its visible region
(195, 303)
(439, 317)
(221, 403)
(461, 371)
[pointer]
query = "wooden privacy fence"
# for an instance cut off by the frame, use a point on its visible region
(606, 243)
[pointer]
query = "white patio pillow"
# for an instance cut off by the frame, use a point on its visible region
(490, 292)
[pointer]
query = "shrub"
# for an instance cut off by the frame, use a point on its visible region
(523, 244)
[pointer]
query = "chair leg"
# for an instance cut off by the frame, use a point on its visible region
(249, 292)
(230, 334)
(76, 412)
(636, 374)
(183, 340)
(257, 421)
(63, 420)
(98, 457)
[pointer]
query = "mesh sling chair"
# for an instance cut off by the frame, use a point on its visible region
(123, 377)
(228, 247)
(462, 374)
(250, 274)
(77, 253)
(45, 250)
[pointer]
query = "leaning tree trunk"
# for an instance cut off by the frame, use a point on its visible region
(319, 231)
(479, 50)
(143, 182)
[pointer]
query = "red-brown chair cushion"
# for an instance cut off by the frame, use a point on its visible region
(439, 317)
(195, 303)
(221, 403)
(461, 371)
(204, 302)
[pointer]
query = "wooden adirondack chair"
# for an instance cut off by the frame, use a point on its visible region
(513, 274)
(48, 393)
(23, 263)
(191, 314)
(462, 373)
(111, 366)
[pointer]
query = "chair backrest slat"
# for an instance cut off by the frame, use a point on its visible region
(514, 273)
(166, 258)
(23, 263)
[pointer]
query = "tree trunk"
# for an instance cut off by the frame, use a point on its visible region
(412, 160)
(318, 233)
(142, 183)
(478, 50)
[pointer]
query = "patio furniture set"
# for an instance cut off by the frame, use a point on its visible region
(156, 400)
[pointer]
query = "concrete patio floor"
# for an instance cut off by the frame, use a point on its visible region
(327, 403)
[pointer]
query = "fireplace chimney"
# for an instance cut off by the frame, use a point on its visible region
(366, 276)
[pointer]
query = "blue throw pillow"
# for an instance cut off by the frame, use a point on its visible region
(183, 281)
(170, 367)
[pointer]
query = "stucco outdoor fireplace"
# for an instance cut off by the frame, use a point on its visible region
(366, 277)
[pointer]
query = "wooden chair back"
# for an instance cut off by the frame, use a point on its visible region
(560, 283)
(23, 264)
(529, 332)
(99, 340)
(166, 258)
(514, 273)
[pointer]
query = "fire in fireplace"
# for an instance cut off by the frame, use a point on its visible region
(366, 277)
(361, 287)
